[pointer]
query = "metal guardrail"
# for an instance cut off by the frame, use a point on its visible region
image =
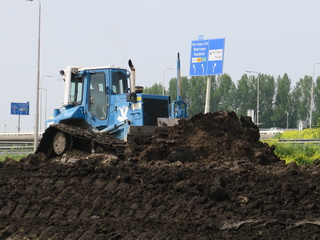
(15, 148)
(296, 141)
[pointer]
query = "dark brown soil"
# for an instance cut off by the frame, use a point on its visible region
(208, 178)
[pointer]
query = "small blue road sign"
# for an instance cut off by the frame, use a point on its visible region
(20, 108)
(207, 57)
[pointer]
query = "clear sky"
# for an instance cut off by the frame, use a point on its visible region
(272, 37)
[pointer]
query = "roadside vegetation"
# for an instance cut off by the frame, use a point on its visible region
(15, 152)
(17, 158)
(303, 154)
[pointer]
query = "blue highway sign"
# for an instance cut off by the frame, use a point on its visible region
(207, 57)
(19, 108)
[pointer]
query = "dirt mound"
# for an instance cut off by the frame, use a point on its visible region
(226, 185)
(213, 137)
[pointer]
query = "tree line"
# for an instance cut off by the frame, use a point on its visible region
(280, 104)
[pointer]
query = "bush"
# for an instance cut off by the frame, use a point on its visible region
(304, 153)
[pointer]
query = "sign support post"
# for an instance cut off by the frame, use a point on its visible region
(208, 92)
(19, 123)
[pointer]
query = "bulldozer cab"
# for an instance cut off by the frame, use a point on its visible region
(106, 90)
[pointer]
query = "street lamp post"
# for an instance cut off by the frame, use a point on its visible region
(258, 93)
(41, 88)
(287, 118)
(312, 97)
(36, 127)
(45, 109)
(164, 70)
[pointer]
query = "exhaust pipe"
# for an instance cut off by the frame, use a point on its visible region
(133, 77)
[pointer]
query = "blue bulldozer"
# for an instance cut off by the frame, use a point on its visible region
(103, 110)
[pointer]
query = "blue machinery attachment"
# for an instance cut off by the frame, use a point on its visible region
(178, 107)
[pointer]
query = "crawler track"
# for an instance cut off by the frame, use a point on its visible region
(82, 138)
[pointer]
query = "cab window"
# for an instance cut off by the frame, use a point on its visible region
(76, 90)
(98, 100)
(119, 83)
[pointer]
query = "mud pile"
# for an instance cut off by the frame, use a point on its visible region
(209, 138)
(226, 185)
